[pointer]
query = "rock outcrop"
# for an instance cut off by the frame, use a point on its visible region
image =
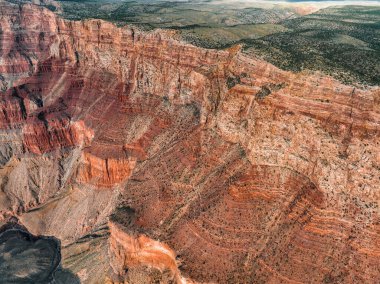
(235, 171)
(106, 172)
(131, 251)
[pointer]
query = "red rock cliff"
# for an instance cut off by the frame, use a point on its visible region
(248, 173)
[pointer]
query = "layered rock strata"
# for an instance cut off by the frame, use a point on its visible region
(234, 171)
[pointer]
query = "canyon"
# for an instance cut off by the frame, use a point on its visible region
(152, 160)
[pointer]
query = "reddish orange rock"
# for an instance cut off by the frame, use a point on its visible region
(129, 251)
(44, 136)
(249, 174)
(104, 172)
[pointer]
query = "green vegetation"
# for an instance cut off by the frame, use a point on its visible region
(220, 37)
(177, 15)
(343, 42)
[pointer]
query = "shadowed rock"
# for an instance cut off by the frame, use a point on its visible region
(25, 258)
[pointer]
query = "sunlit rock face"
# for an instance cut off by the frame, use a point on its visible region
(213, 167)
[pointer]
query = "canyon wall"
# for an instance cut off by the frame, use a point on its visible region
(153, 159)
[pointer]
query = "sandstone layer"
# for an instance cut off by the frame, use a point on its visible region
(145, 155)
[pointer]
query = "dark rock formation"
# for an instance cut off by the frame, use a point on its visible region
(25, 258)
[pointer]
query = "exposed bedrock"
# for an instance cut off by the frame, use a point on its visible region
(105, 172)
(129, 251)
(213, 167)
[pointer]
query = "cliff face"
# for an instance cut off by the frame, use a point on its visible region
(105, 172)
(246, 173)
(134, 251)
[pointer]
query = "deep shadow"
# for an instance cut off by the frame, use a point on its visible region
(64, 276)
(25, 258)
